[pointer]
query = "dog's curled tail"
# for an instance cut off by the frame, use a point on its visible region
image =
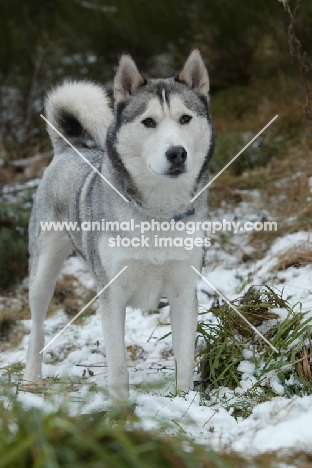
(80, 111)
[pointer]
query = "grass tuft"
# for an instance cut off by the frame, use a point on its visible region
(231, 341)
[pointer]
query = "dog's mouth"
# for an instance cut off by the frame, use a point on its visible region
(172, 173)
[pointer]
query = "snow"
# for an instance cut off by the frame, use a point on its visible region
(77, 357)
(277, 424)
(246, 367)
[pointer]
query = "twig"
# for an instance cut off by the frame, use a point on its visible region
(91, 365)
(20, 188)
(26, 161)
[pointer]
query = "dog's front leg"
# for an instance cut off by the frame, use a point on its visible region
(113, 320)
(183, 319)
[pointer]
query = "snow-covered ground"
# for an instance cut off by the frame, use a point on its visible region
(76, 363)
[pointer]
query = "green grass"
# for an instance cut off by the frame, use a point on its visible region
(227, 342)
(33, 438)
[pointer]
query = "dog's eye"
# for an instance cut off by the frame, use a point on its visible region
(149, 123)
(185, 119)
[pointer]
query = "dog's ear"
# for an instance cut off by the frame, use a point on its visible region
(194, 73)
(127, 79)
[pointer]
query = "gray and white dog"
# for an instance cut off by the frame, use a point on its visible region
(155, 149)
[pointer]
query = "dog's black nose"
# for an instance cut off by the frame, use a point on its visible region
(176, 155)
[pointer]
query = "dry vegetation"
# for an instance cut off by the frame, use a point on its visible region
(297, 256)
(280, 173)
(70, 295)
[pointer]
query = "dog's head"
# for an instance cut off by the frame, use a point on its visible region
(162, 127)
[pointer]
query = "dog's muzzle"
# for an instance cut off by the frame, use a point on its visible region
(176, 156)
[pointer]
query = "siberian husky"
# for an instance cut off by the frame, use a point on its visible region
(154, 149)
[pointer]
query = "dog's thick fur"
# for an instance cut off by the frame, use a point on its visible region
(155, 149)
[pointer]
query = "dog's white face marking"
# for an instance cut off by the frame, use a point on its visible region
(138, 144)
(143, 151)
